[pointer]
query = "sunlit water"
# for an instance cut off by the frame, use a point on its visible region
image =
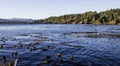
(90, 45)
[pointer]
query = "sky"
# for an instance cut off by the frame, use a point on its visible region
(40, 9)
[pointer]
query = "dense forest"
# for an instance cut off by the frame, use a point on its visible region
(111, 17)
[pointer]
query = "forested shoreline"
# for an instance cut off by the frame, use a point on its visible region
(110, 17)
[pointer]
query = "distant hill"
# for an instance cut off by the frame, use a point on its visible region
(15, 21)
(22, 19)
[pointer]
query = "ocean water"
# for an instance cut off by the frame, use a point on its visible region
(89, 45)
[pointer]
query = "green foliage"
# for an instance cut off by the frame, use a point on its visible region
(111, 16)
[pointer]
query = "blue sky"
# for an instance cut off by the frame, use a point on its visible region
(38, 9)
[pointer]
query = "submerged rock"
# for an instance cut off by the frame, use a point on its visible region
(71, 58)
(10, 64)
(47, 57)
(1, 46)
(4, 59)
(60, 61)
(58, 54)
(14, 53)
(46, 62)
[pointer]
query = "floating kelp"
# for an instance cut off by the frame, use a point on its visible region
(103, 35)
(66, 44)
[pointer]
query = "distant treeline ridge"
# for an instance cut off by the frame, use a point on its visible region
(111, 17)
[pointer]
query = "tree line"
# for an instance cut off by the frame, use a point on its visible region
(111, 17)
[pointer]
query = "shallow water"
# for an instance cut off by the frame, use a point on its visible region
(90, 45)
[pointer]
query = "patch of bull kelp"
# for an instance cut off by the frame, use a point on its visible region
(79, 33)
(103, 35)
(74, 46)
